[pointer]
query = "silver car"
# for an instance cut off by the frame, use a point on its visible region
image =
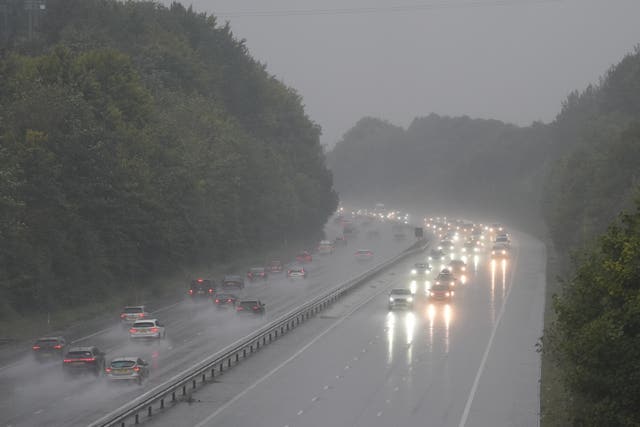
(132, 369)
(147, 329)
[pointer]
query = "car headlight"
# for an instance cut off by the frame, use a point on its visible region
(390, 299)
(448, 294)
(504, 252)
(414, 272)
(464, 250)
(410, 299)
(464, 268)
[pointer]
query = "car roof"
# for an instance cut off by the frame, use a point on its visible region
(250, 301)
(125, 358)
(82, 348)
(49, 338)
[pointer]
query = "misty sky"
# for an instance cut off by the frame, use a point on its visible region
(512, 60)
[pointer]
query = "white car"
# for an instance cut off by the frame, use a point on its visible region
(147, 329)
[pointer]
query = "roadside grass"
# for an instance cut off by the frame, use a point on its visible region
(553, 396)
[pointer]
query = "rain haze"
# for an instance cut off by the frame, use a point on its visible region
(514, 61)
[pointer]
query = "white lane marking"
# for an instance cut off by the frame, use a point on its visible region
(314, 399)
(485, 356)
(378, 414)
(388, 401)
(286, 362)
(396, 389)
(356, 358)
(346, 367)
(300, 412)
(325, 387)
(39, 411)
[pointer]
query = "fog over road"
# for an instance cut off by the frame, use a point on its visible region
(469, 363)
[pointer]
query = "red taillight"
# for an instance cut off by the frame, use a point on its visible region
(217, 300)
(229, 300)
(210, 291)
(133, 330)
(288, 271)
(154, 330)
(190, 291)
(107, 370)
(36, 347)
(136, 368)
(239, 308)
(255, 307)
(57, 346)
(199, 280)
(140, 314)
(123, 315)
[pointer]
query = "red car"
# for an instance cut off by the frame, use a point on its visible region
(304, 257)
(257, 273)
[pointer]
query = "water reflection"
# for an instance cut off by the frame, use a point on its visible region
(391, 332)
(504, 277)
(492, 302)
(439, 317)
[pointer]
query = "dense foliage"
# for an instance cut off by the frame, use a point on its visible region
(447, 164)
(137, 140)
(596, 337)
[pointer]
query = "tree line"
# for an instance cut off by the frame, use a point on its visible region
(138, 140)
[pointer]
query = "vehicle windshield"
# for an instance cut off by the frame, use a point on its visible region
(133, 310)
(78, 354)
(257, 270)
(143, 325)
(249, 303)
(122, 363)
(401, 292)
(440, 287)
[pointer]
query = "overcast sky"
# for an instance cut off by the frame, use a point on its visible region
(512, 60)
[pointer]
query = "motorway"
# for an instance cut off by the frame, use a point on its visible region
(468, 363)
(32, 394)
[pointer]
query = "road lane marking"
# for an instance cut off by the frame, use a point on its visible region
(39, 411)
(286, 362)
(485, 356)
(325, 387)
(300, 412)
(314, 399)
(379, 414)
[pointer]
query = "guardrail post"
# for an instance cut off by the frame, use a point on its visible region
(229, 362)
(173, 396)
(193, 383)
(264, 339)
(258, 345)
(162, 403)
(149, 411)
(213, 372)
(237, 357)
(184, 390)
(137, 419)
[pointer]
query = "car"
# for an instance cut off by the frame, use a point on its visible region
(232, 281)
(304, 257)
(436, 255)
(225, 300)
(147, 329)
(400, 298)
(130, 369)
(440, 292)
(445, 245)
(131, 313)
(250, 306)
(82, 360)
(364, 255)
(201, 288)
(325, 247)
(340, 241)
(457, 266)
(420, 269)
(296, 271)
(275, 266)
(499, 252)
(49, 348)
(502, 239)
(445, 276)
(470, 247)
(255, 273)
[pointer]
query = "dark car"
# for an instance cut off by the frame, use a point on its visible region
(250, 307)
(49, 348)
(441, 292)
(233, 282)
(201, 288)
(225, 300)
(255, 273)
(81, 360)
(275, 266)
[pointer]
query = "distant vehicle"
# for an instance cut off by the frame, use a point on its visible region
(457, 266)
(496, 228)
(420, 269)
(503, 239)
(131, 313)
(499, 252)
(233, 282)
(132, 369)
(364, 255)
(470, 247)
(200, 288)
(80, 360)
(296, 271)
(400, 298)
(445, 276)
(325, 247)
(49, 348)
(340, 241)
(441, 292)
(147, 329)
(348, 227)
(275, 266)
(255, 273)
(445, 245)
(250, 307)
(304, 257)
(225, 300)
(436, 255)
